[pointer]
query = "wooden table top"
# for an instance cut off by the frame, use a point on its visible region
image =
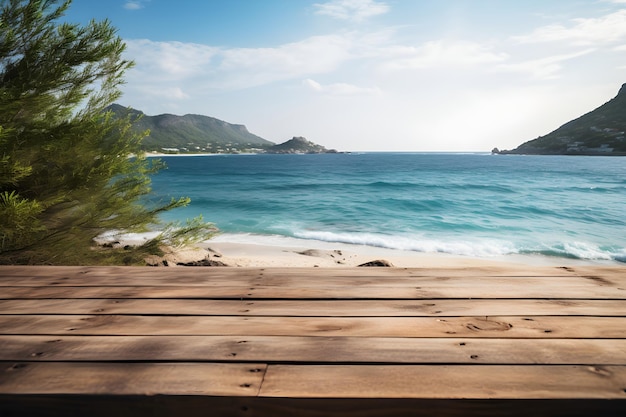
(312, 341)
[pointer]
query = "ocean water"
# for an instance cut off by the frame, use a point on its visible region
(478, 205)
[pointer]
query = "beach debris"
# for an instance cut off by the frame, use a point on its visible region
(214, 252)
(204, 262)
(335, 256)
(378, 262)
(185, 256)
(321, 253)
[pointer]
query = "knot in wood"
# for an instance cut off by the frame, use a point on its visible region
(488, 325)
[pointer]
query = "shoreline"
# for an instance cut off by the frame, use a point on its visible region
(277, 251)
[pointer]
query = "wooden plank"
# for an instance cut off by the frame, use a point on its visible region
(445, 381)
(329, 308)
(597, 271)
(131, 378)
(508, 290)
(313, 280)
(473, 327)
(93, 272)
(284, 280)
(313, 349)
(76, 293)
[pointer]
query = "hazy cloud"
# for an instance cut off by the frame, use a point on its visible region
(134, 5)
(340, 89)
(356, 10)
(236, 68)
(167, 95)
(581, 31)
(543, 68)
(443, 53)
(170, 60)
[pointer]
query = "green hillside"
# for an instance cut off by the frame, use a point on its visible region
(599, 132)
(191, 133)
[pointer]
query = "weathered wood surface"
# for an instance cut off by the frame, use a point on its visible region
(544, 327)
(277, 349)
(317, 308)
(501, 288)
(311, 341)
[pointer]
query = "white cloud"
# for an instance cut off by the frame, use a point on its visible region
(589, 31)
(340, 89)
(314, 55)
(543, 68)
(166, 95)
(236, 68)
(170, 60)
(356, 10)
(133, 5)
(175, 93)
(443, 54)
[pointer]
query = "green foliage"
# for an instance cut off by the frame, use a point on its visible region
(19, 218)
(193, 230)
(68, 170)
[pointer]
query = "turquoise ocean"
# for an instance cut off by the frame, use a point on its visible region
(478, 205)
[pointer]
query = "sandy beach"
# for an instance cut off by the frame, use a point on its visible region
(244, 251)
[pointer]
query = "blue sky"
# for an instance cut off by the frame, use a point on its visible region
(373, 75)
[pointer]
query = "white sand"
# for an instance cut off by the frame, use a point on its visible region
(277, 251)
(244, 251)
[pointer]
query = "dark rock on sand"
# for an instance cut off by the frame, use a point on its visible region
(378, 262)
(203, 262)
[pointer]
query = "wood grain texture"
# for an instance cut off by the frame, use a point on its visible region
(300, 349)
(480, 327)
(445, 381)
(131, 378)
(317, 308)
(62, 272)
(500, 289)
(310, 341)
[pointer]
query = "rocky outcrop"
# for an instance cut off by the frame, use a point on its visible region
(298, 145)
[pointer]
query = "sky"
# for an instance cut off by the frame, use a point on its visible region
(372, 75)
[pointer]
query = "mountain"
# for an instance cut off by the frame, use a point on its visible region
(599, 132)
(299, 145)
(191, 133)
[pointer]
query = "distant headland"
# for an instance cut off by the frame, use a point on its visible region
(194, 134)
(599, 132)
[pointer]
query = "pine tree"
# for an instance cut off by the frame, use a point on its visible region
(68, 169)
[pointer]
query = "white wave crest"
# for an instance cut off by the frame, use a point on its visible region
(483, 248)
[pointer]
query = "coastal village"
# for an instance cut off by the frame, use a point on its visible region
(580, 147)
